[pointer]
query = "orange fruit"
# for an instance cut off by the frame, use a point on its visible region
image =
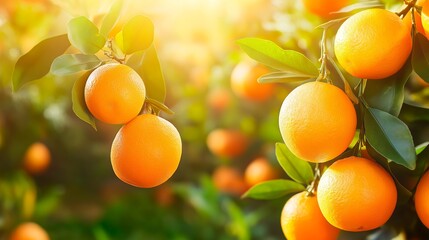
(37, 158)
(227, 142)
(29, 231)
(425, 17)
(324, 8)
(219, 99)
(366, 46)
(146, 151)
(301, 219)
(114, 93)
(317, 121)
(356, 194)
(421, 199)
(229, 180)
(244, 82)
(259, 170)
(418, 21)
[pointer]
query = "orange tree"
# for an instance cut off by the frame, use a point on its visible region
(359, 87)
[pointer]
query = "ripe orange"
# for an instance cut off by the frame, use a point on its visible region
(37, 158)
(114, 93)
(366, 46)
(317, 121)
(219, 99)
(244, 82)
(146, 151)
(324, 8)
(356, 194)
(425, 17)
(29, 231)
(301, 219)
(259, 170)
(229, 180)
(418, 21)
(227, 143)
(421, 199)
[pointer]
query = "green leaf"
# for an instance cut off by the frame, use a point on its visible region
(420, 56)
(273, 189)
(390, 137)
(158, 106)
(282, 77)
(37, 62)
(84, 35)
(78, 100)
(347, 89)
(421, 147)
(388, 94)
(73, 63)
(147, 66)
(136, 35)
(110, 19)
(296, 168)
(270, 54)
(332, 22)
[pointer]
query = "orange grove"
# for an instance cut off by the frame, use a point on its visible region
(227, 142)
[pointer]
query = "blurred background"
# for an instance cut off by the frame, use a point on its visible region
(55, 169)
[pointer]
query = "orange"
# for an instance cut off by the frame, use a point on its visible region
(146, 151)
(367, 47)
(229, 180)
(356, 194)
(301, 219)
(324, 8)
(227, 142)
(259, 170)
(244, 82)
(417, 20)
(425, 17)
(37, 158)
(421, 199)
(29, 231)
(219, 99)
(317, 121)
(114, 93)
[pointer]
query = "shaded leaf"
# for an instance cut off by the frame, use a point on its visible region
(390, 137)
(349, 91)
(273, 189)
(37, 62)
(270, 54)
(411, 112)
(84, 35)
(73, 63)
(296, 168)
(136, 35)
(78, 100)
(420, 56)
(148, 67)
(421, 147)
(282, 77)
(110, 19)
(388, 94)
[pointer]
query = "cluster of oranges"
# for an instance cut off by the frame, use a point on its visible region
(318, 122)
(146, 151)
